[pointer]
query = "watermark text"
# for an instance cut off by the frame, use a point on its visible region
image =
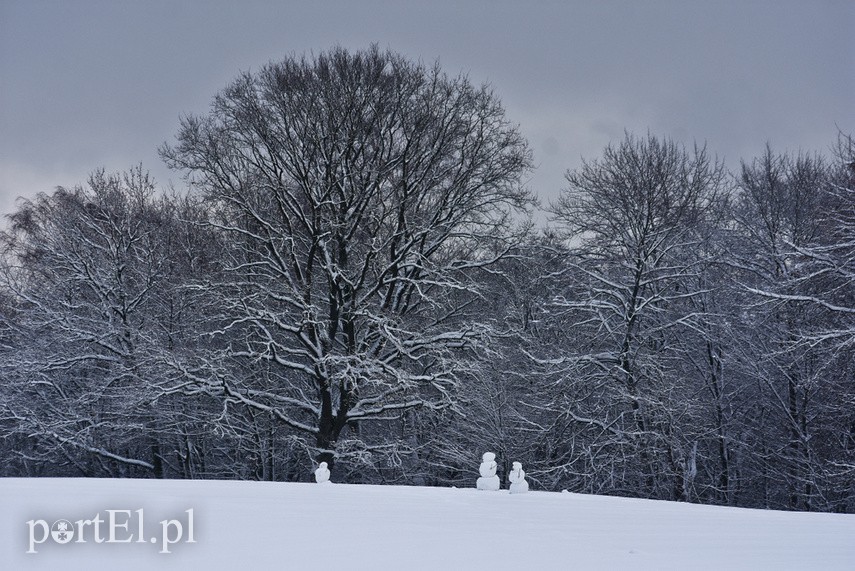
(112, 526)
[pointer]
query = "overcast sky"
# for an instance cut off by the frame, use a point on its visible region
(88, 84)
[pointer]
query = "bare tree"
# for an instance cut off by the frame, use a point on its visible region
(362, 193)
(637, 219)
(795, 224)
(81, 265)
(821, 269)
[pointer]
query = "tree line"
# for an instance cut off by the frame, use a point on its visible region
(352, 276)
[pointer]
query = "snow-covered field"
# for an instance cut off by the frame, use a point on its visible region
(253, 525)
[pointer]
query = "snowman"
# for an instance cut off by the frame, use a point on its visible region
(517, 479)
(488, 480)
(322, 474)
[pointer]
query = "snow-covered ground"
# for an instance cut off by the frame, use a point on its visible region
(253, 525)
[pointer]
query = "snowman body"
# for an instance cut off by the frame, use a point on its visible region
(488, 481)
(517, 479)
(322, 474)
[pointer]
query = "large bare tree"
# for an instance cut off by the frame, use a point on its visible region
(362, 193)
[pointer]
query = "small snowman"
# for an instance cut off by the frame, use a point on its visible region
(488, 480)
(517, 479)
(322, 474)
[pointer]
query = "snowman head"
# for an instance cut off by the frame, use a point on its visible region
(323, 466)
(488, 457)
(517, 466)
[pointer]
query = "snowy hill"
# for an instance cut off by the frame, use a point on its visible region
(253, 525)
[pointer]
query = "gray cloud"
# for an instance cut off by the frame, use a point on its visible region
(102, 83)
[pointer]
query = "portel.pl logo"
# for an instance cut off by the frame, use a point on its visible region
(115, 526)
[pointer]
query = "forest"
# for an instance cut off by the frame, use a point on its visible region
(355, 273)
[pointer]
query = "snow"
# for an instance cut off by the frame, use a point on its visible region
(247, 525)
